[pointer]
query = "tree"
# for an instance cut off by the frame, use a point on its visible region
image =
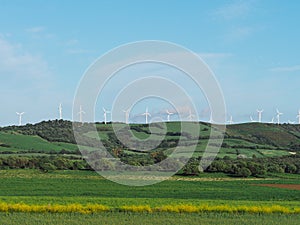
(243, 172)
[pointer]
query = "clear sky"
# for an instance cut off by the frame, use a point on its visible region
(252, 47)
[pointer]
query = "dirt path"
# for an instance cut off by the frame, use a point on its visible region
(287, 186)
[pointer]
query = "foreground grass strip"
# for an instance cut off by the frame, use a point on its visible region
(96, 208)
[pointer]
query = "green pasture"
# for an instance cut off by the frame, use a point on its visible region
(32, 187)
(121, 218)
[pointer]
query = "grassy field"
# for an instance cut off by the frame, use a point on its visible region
(19, 142)
(211, 192)
(32, 187)
(212, 198)
(145, 218)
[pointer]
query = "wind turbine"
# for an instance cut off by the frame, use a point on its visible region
(278, 116)
(81, 112)
(251, 119)
(60, 111)
(146, 114)
(190, 116)
(211, 119)
(298, 116)
(272, 121)
(169, 114)
(105, 115)
(126, 115)
(259, 114)
(20, 117)
(230, 121)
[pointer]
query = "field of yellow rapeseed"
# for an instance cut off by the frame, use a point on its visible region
(96, 208)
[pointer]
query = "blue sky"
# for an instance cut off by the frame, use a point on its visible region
(252, 47)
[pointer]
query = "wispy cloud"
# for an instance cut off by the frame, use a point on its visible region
(235, 10)
(212, 55)
(286, 69)
(240, 33)
(39, 32)
(72, 42)
(78, 51)
(232, 14)
(16, 62)
(37, 29)
(27, 83)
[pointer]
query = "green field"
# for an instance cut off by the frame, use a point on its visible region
(145, 218)
(85, 187)
(31, 186)
(18, 142)
(225, 196)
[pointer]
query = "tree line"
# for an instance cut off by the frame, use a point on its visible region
(256, 167)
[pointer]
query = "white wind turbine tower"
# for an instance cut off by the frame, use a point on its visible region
(168, 115)
(298, 116)
(251, 119)
(20, 117)
(230, 121)
(60, 111)
(278, 116)
(126, 115)
(259, 114)
(81, 112)
(211, 119)
(146, 114)
(190, 116)
(105, 115)
(272, 121)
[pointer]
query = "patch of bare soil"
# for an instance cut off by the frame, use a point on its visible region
(287, 186)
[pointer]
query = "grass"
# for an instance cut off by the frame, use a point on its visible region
(30, 187)
(249, 139)
(121, 218)
(200, 200)
(19, 142)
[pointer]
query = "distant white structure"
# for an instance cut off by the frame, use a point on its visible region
(146, 114)
(278, 116)
(126, 115)
(60, 111)
(259, 114)
(272, 121)
(81, 112)
(190, 116)
(291, 122)
(230, 121)
(298, 116)
(20, 117)
(251, 119)
(211, 119)
(168, 115)
(105, 112)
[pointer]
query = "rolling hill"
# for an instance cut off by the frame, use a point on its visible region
(248, 139)
(250, 149)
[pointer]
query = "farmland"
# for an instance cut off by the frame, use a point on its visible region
(217, 193)
(43, 177)
(145, 218)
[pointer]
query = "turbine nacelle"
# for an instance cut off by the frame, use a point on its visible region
(20, 114)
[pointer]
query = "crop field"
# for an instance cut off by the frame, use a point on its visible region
(79, 196)
(146, 218)
(43, 178)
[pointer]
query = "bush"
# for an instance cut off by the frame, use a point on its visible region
(243, 172)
